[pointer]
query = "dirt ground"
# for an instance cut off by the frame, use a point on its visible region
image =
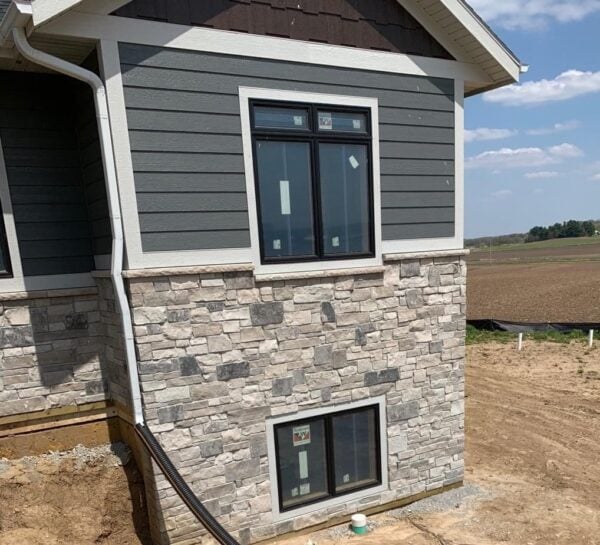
(533, 477)
(548, 292)
(80, 497)
(582, 252)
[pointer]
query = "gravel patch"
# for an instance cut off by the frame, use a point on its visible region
(110, 455)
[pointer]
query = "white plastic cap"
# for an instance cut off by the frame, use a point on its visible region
(359, 521)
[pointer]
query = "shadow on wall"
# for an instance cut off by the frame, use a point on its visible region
(53, 354)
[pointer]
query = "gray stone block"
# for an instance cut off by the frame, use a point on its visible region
(340, 359)
(170, 414)
(282, 386)
(414, 298)
(360, 334)
(242, 470)
(211, 448)
(327, 313)
(410, 268)
(17, 336)
(95, 387)
(189, 366)
(403, 411)
(180, 315)
(323, 354)
(381, 377)
(229, 371)
(266, 313)
(215, 306)
(76, 320)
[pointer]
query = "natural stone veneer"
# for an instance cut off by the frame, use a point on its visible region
(220, 353)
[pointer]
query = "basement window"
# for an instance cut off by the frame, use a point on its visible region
(314, 181)
(325, 457)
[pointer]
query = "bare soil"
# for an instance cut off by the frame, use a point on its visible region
(543, 292)
(582, 252)
(533, 477)
(81, 497)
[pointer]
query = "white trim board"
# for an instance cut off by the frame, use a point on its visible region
(278, 516)
(248, 93)
(77, 24)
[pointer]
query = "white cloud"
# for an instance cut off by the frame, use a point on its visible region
(596, 177)
(567, 151)
(556, 128)
(502, 194)
(569, 84)
(485, 134)
(523, 157)
(541, 175)
(534, 13)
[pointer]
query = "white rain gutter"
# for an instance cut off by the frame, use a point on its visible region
(108, 162)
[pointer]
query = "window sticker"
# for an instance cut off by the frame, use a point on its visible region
(354, 162)
(346, 478)
(325, 121)
(295, 492)
(304, 489)
(298, 120)
(356, 123)
(284, 196)
(303, 464)
(335, 242)
(277, 244)
(301, 435)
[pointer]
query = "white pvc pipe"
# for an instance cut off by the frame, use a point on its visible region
(520, 346)
(591, 340)
(108, 162)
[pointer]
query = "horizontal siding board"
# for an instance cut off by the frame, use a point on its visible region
(183, 122)
(27, 213)
(412, 150)
(417, 183)
(418, 230)
(418, 167)
(53, 231)
(191, 202)
(194, 221)
(400, 216)
(170, 182)
(187, 162)
(44, 158)
(47, 195)
(57, 265)
(179, 142)
(185, 136)
(36, 176)
(229, 84)
(51, 248)
(39, 139)
(156, 57)
(209, 240)
(424, 199)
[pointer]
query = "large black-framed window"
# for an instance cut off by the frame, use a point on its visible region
(313, 171)
(327, 456)
(5, 263)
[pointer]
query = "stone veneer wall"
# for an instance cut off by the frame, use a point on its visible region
(51, 352)
(221, 353)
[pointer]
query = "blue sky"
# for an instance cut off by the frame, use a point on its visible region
(533, 150)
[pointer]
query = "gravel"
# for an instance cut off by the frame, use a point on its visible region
(109, 455)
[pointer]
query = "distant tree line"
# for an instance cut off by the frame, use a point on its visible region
(568, 229)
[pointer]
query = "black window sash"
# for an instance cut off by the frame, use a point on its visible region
(314, 137)
(330, 457)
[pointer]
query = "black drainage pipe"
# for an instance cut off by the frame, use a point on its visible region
(182, 488)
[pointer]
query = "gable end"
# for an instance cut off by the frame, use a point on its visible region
(382, 25)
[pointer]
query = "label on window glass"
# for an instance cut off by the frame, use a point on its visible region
(295, 492)
(325, 121)
(298, 120)
(354, 162)
(356, 123)
(301, 435)
(304, 489)
(303, 464)
(284, 194)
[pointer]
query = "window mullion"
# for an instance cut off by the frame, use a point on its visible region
(330, 455)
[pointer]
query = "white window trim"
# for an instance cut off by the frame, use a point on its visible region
(278, 516)
(273, 95)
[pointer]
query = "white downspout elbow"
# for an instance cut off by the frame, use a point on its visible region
(72, 70)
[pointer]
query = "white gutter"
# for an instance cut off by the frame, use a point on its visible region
(108, 161)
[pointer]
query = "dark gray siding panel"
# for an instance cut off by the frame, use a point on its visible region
(37, 129)
(185, 134)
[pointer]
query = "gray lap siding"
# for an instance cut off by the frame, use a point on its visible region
(185, 133)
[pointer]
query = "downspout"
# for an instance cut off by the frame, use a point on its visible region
(116, 268)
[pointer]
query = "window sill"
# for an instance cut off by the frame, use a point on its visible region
(301, 275)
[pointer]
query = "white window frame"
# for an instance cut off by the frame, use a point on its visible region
(278, 516)
(275, 95)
